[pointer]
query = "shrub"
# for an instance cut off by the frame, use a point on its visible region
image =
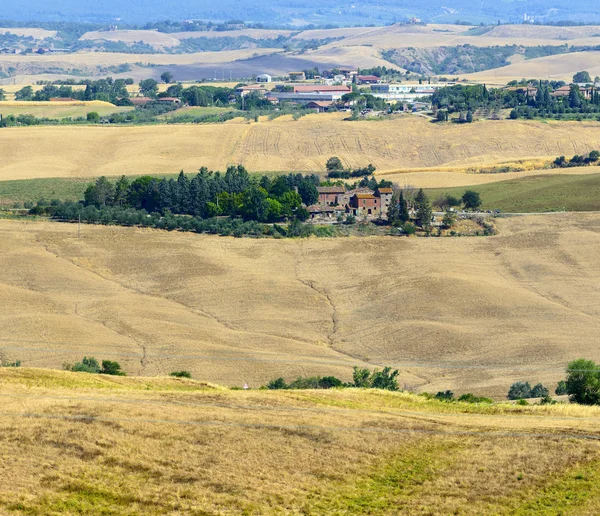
(561, 388)
(522, 402)
(519, 390)
(111, 368)
(87, 365)
(444, 396)
(539, 391)
(471, 398)
(583, 382)
(181, 374)
(409, 228)
(277, 384)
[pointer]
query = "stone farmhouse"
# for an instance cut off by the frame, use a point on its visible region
(362, 203)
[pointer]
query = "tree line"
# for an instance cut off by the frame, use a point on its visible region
(210, 194)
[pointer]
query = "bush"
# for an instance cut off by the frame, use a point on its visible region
(561, 388)
(277, 384)
(181, 374)
(519, 390)
(471, 398)
(87, 365)
(539, 391)
(583, 382)
(444, 396)
(91, 365)
(111, 368)
(409, 228)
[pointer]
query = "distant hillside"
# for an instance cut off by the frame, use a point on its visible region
(308, 11)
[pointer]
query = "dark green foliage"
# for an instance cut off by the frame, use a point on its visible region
(539, 391)
(398, 210)
(334, 164)
(472, 200)
(93, 117)
(149, 88)
(582, 78)
(519, 390)
(385, 379)
(424, 211)
(166, 77)
(561, 388)
(91, 365)
(471, 398)
(445, 396)
(111, 368)
(181, 374)
(583, 382)
(277, 384)
(87, 365)
(313, 382)
(577, 160)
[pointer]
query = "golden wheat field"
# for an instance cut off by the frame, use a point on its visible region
(284, 145)
(84, 444)
(460, 177)
(60, 110)
(470, 314)
(558, 67)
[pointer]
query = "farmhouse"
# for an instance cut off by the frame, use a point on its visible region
(253, 88)
(320, 106)
(385, 196)
(367, 79)
(297, 76)
(365, 205)
(330, 194)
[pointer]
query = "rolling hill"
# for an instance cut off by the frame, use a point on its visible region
(468, 314)
(79, 443)
(284, 145)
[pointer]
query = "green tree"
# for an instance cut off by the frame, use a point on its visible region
(93, 117)
(87, 365)
(519, 390)
(334, 164)
(574, 96)
(583, 382)
(539, 391)
(166, 77)
(111, 368)
(472, 200)
(386, 379)
(2, 94)
(360, 377)
(424, 211)
(25, 93)
(469, 117)
(582, 78)
(561, 388)
(149, 88)
(255, 205)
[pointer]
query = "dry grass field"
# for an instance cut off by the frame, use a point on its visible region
(284, 145)
(78, 444)
(469, 314)
(454, 178)
(60, 110)
(158, 40)
(559, 67)
(29, 32)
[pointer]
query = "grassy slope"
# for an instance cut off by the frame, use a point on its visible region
(58, 110)
(74, 443)
(536, 193)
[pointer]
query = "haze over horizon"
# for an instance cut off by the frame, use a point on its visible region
(289, 12)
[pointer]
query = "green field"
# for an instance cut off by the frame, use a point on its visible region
(194, 111)
(535, 194)
(57, 110)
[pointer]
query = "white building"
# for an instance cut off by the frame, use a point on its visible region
(264, 78)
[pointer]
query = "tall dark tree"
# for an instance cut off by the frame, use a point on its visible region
(424, 211)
